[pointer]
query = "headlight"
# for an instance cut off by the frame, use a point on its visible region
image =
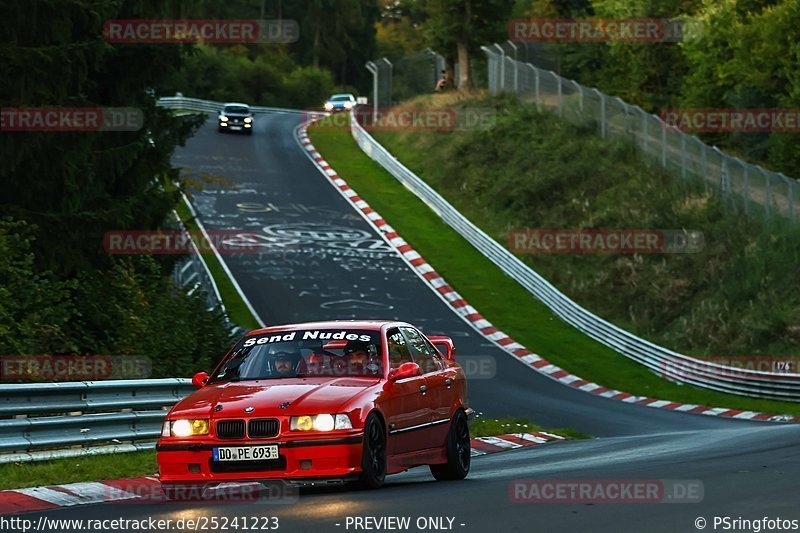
(328, 106)
(248, 119)
(188, 428)
(223, 118)
(323, 422)
(348, 105)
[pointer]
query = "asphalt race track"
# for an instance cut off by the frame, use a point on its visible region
(318, 259)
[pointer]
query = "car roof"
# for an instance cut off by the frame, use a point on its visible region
(330, 324)
(235, 104)
(343, 94)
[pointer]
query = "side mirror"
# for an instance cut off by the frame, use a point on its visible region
(445, 345)
(200, 379)
(406, 370)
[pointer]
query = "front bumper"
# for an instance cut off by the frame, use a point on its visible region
(330, 457)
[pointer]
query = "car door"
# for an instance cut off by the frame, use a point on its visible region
(407, 408)
(440, 391)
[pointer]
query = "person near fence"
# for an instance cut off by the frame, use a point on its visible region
(441, 85)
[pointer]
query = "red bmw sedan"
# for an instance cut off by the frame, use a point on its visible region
(320, 401)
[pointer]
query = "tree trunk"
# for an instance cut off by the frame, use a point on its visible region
(449, 73)
(464, 74)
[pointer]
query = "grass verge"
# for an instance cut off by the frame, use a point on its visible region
(489, 427)
(237, 310)
(74, 470)
(499, 298)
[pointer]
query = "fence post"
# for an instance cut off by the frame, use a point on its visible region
(502, 67)
(663, 144)
(767, 193)
(602, 98)
(374, 70)
(516, 67)
(580, 94)
(389, 83)
(645, 135)
(536, 84)
(558, 81)
(683, 155)
(704, 160)
(724, 177)
(491, 69)
(790, 183)
(746, 189)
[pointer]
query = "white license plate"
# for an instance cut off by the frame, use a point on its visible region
(236, 127)
(246, 453)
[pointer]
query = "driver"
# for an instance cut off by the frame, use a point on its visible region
(357, 355)
(284, 364)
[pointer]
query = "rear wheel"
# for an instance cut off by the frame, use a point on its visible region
(459, 451)
(373, 460)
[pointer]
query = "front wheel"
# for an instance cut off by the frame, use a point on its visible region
(459, 451)
(373, 460)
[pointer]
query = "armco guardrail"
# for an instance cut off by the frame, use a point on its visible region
(38, 418)
(664, 362)
(195, 104)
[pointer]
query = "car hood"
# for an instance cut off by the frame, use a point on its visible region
(305, 396)
(238, 115)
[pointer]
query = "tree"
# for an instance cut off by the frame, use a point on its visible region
(75, 185)
(457, 29)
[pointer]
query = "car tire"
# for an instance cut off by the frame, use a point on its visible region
(373, 456)
(249, 132)
(220, 129)
(458, 450)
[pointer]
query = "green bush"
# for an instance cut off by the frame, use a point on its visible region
(129, 309)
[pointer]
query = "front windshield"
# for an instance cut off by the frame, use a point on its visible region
(303, 353)
(236, 110)
(341, 98)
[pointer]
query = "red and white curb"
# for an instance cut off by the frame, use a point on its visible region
(128, 490)
(51, 497)
(511, 441)
(469, 314)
